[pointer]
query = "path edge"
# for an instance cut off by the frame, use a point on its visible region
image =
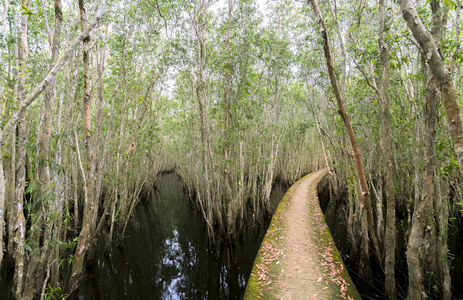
(252, 291)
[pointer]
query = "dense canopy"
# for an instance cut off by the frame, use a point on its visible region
(98, 98)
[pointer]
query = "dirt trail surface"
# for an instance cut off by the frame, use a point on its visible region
(298, 258)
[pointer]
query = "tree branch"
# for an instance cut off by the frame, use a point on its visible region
(6, 130)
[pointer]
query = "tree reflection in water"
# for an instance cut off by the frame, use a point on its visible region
(166, 255)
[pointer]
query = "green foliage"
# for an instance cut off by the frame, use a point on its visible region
(55, 293)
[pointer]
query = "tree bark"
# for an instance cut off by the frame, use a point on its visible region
(6, 130)
(231, 211)
(390, 241)
(20, 184)
(441, 74)
(364, 196)
(2, 211)
(4, 15)
(86, 233)
(11, 204)
(343, 50)
(424, 245)
(421, 234)
(40, 258)
(197, 17)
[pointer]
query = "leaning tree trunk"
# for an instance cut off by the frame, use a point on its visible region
(364, 196)
(423, 242)
(16, 119)
(15, 116)
(441, 74)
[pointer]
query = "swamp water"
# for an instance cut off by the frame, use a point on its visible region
(166, 254)
(335, 216)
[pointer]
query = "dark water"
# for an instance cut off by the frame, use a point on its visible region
(335, 215)
(166, 254)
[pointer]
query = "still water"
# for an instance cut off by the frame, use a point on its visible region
(166, 254)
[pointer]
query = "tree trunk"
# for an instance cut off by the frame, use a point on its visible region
(19, 219)
(457, 37)
(439, 18)
(10, 125)
(390, 241)
(419, 249)
(4, 15)
(39, 259)
(197, 18)
(85, 236)
(2, 211)
(364, 196)
(343, 50)
(441, 74)
(442, 215)
(231, 211)
(12, 178)
(424, 244)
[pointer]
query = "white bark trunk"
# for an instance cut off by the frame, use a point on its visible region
(8, 128)
(442, 75)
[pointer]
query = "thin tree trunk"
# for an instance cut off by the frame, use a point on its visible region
(4, 15)
(12, 179)
(442, 212)
(76, 198)
(441, 74)
(457, 37)
(83, 239)
(116, 192)
(20, 221)
(343, 50)
(98, 154)
(371, 81)
(228, 181)
(2, 210)
(2, 174)
(86, 233)
(421, 233)
(390, 241)
(198, 19)
(39, 259)
(199, 89)
(9, 126)
(365, 193)
(312, 109)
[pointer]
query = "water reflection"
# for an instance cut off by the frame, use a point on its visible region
(165, 255)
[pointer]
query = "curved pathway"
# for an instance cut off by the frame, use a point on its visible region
(298, 258)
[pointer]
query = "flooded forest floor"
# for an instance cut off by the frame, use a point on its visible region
(166, 255)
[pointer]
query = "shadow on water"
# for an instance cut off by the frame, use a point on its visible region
(166, 255)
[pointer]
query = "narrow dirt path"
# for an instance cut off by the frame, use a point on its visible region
(298, 258)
